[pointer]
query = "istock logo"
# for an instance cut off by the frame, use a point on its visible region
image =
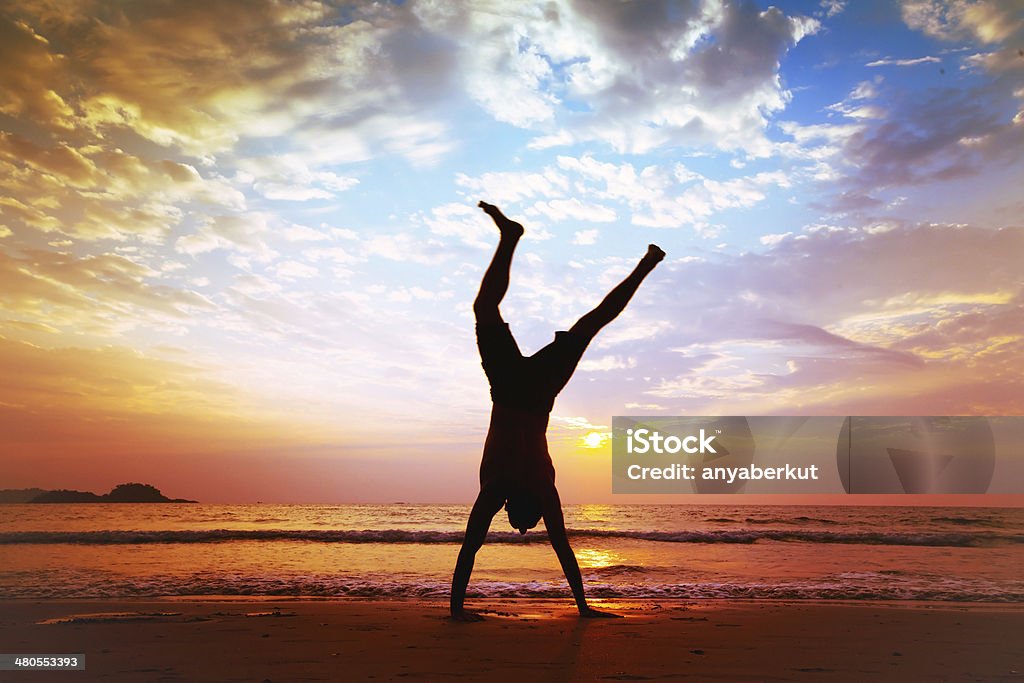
(642, 441)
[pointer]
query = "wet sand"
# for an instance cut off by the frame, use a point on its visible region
(207, 639)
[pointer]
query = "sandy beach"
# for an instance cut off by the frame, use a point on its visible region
(361, 639)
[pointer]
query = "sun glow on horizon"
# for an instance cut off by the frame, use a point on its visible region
(255, 278)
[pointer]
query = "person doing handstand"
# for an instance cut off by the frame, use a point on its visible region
(516, 470)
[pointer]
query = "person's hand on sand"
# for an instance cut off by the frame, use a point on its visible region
(591, 613)
(466, 616)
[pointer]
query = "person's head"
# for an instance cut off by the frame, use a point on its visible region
(524, 510)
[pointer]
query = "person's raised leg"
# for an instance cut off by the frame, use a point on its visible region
(495, 281)
(487, 504)
(616, 300)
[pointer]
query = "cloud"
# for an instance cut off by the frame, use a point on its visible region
(936, 135)
(772, 239)
(942, 130)
(831, 8)
(295, 270)
(60, 161)
(634, 76)
(585, 237)
(904, 62)
(575, 210)
(288, 177)
(33, 73)
(303, 233)
(621, 181)
(105, 294)
(814, 336)
(182, 170)
(799, 325)
(182, 77)
(940, 135)
(467, 223)
(856, 105)
(244, 233)
(141, 60)
(92, 193)
(586, 189)
(412, 248)
(987, 21)
(112, 380)
(606, 363)
(513, 186)
(507, 73)
(700, 201)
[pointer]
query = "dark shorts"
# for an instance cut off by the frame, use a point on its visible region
(527, 382)
(499, 353)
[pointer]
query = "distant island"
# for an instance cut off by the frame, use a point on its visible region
(122, 493)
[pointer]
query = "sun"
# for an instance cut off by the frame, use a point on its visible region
(594, 440)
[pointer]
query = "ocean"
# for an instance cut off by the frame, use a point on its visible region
(625, 552)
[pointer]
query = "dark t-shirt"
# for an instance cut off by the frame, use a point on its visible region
(523, 389)
(516, 457)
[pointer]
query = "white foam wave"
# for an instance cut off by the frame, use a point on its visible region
(935, 539)
(863, 586)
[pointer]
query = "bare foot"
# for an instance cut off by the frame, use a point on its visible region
(506, 226)
(591, 613)
(654, 253)
(466, 616)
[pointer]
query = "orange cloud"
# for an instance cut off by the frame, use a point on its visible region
(32, 74)
(90, 293)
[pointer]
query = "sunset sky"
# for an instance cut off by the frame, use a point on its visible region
(239, 242)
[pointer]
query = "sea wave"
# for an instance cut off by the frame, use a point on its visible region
(619, 570)
(966, 521)
(741, 536)
(801, 520)
(851, 587)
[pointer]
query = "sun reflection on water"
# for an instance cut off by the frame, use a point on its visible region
(595, 514)
(593, 558)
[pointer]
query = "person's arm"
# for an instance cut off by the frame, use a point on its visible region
(487, 504)
(555, 524)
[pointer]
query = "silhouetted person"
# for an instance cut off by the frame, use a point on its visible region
(516, 470)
